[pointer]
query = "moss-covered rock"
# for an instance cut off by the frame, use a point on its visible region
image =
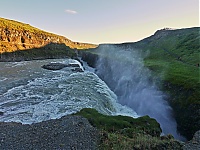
(124, 125)
(122, 132)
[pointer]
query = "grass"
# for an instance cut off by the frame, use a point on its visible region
(15, 25)
(174, 59)
(123, 124)
(176, 55)
(126, 133)
(138, 142)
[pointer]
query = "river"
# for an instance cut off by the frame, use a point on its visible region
(30, 94)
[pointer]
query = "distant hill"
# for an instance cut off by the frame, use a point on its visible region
(180, 44)
(20, 36)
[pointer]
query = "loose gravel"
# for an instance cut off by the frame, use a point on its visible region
(66, 133)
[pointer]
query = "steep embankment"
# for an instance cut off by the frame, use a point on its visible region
(19, 36)
(173, 58)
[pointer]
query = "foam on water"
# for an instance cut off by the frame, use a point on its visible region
(40, 94)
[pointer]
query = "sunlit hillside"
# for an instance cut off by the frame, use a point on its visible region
(19, 36)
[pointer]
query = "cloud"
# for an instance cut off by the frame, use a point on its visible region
(71, 11)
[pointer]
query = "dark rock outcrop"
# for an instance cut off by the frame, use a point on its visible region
(194, 144)
(54, 66)
(89, 57)
(59, 66)
(77, 70)
(73, 65)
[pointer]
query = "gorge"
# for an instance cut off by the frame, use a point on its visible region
(157, 76)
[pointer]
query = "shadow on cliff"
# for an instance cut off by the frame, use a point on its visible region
(49, 51)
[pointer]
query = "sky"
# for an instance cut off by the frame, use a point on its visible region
(103, 21)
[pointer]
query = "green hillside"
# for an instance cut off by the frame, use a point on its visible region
(176, 55)
(173, 56)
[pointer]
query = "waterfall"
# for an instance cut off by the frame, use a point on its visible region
(124, 72)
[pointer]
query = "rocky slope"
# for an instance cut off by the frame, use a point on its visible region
(19, 36)
(193, 144)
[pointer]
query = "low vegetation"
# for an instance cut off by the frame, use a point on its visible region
(19, 26)
(122, 132)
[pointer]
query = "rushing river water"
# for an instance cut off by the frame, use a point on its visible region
(29, 93)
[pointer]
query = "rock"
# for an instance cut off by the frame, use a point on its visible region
(193, 144)
(76, 58)
(88, 57)
(77, 70)
(54, 66)
(58, 66)
(73, 65)
(1, 113)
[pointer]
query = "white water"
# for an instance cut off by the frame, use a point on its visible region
(125, 74)
(30, 94)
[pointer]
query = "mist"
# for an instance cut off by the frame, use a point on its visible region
(124, 72)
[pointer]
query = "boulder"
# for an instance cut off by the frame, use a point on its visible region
(59, 66)
(77, 70)
(73, 65)
(54, 66)
(1, 113)
(193, 144)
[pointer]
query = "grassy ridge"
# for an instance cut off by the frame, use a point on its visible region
(15, 25)
(122, 132)
(127, 126)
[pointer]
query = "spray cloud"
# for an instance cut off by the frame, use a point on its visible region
(124, 72)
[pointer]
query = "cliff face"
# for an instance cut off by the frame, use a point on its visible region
(19, 36)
